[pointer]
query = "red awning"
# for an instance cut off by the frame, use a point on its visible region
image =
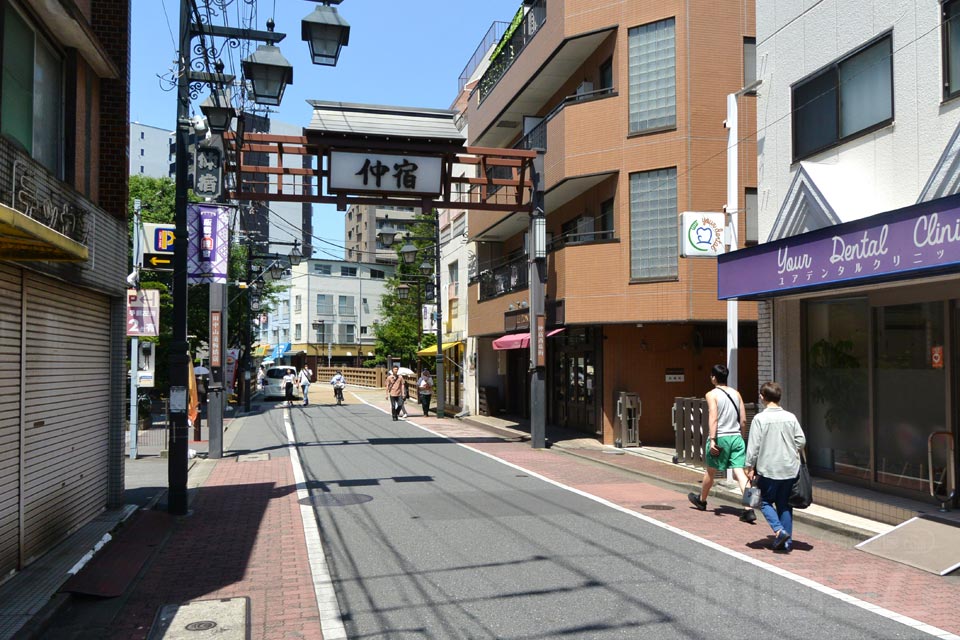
(512, 341)
(556, 331)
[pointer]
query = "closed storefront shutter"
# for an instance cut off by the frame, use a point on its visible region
(66, 410)
(9, 418)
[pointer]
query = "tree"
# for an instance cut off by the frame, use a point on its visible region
(400, 334)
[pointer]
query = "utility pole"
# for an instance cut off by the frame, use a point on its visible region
(537, 290)
(134, 341)
(441, 383)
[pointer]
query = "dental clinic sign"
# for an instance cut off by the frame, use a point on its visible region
(352, 172)
(701, 234)
(914, 241)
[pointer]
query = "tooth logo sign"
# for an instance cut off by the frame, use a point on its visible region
(704, 235)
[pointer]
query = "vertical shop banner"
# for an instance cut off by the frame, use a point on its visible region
(208, 248)
(143, 312)
(230, 371)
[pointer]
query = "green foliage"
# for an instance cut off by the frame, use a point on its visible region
(399, 335)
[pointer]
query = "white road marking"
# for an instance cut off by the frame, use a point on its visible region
(789, 575)
(331, 618)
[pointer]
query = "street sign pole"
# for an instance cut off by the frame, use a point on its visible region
(135, 341)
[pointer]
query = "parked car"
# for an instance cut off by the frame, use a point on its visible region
(273, 385)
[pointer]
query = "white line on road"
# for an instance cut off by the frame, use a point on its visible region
(331, 619)
(789, 575)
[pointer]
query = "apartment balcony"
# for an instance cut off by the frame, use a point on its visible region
(539, 59)
(504, 278)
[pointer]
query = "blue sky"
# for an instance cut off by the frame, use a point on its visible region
(401, 52)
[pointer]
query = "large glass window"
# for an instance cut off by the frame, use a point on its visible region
(652, 77)
(324, 304)
(346, 307)
(837, 379)
(852, 95)
(653, 224)
(31, 104)
(911, 390)
(951, 48)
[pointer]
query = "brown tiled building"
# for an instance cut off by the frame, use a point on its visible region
(63, 260)
(629, 100)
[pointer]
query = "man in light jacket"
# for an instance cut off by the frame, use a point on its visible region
(773, 458)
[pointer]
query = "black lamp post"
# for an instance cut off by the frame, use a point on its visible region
(388, 235)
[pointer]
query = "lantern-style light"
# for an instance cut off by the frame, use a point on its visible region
(218, 110)
(296, 256)
(403, 291)
(276, 271)
(408, 253)
(326, 32)
(269, 73)
(426, 268)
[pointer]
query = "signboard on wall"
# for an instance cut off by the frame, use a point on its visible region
(701, 234)
(143, 312)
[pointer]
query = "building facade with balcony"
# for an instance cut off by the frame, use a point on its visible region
(628, 101)
(859, 271)
(361, 225)
(327, 312)
(63, 262)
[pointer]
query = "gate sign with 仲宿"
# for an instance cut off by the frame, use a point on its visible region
(384, 173)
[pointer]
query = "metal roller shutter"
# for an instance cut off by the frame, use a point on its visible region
(66, 410)
(10, 285)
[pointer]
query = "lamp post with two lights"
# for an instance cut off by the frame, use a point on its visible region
(408, 253)
(268, 73)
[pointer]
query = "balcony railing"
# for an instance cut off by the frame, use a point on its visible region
(536, 138)
(493, 35)
(348, 311)
(510, 50)
(506, 278)
(325, 309)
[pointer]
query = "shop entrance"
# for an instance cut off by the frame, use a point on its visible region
(576, 381)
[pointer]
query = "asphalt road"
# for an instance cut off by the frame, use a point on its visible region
(428, 539)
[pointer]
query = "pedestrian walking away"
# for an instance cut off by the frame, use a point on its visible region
(425, 390)
(773, 458)
(725, 447)
(338, 382)
(303, 379)
(395, 390)
(288, 381)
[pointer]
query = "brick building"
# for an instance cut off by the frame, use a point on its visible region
(629, 101)
(63, 259)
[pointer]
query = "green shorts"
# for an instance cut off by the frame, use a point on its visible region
(733, 453)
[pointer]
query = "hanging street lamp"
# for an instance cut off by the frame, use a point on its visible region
(326, 32)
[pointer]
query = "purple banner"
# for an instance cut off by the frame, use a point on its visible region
(909, 241)
(209, 249)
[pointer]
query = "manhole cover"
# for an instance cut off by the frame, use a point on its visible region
(657, 507)
(202, 625)
(336, 499)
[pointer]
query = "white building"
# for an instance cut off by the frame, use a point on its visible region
(327, 311)
(150, 151)
(361, 225)
(859, 143)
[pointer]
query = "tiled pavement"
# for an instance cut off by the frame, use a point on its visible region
(261, 552)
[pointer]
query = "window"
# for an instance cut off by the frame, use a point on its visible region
(363, 331)
(951, 48)
(377, 274)
(750, 213)
(653, 224)
(324, 304)
(346, 307)
(31, 101)
(296, 304)
(322, 269)
(852, 96)
(749, 60)
(141, 135)
(606, 74)
(348, 334)
(297, 332)
(141, 168)
(605, 221)
(348, 272)
(652, 76)
(142, 153)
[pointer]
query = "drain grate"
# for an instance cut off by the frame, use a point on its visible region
(224, 619)
(657, 507)
(335, 499)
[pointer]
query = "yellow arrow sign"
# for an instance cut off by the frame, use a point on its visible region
(154, 260)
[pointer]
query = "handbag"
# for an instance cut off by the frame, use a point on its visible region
(801, 496)
(751, 497)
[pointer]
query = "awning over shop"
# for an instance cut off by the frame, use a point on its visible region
(512, 341)
(432, 349)
(260, 350)
(912, 242)
(23, 238)
(556, 331)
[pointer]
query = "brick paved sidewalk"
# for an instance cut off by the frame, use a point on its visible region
(244, 539)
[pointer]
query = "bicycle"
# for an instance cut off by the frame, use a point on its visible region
(338, 392)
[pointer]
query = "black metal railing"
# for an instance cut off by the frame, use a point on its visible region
(510, 50)
(493, 35)
(504, 278)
